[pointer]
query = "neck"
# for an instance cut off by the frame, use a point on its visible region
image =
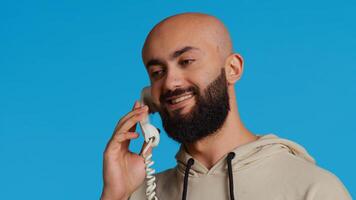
(232, 134)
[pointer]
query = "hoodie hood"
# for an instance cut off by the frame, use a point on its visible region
(245, 155)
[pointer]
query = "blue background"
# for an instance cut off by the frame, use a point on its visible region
(70, 70)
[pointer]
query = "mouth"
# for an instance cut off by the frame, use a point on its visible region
(179, 101)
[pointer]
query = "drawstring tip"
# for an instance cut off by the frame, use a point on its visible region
(231, 155)
(190, 162)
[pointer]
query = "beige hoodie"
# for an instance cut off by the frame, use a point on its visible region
(270, 168)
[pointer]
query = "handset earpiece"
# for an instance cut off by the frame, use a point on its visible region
(148, 130)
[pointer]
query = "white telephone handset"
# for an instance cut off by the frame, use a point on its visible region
(148, 130)
(151, 135)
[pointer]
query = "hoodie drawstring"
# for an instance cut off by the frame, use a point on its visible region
(186, 175)
(230, 156)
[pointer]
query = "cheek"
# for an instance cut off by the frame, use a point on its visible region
(202, 78)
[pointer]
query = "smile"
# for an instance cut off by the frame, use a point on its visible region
(179, 101)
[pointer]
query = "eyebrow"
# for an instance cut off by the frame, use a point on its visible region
(175, 54)
(154, 62)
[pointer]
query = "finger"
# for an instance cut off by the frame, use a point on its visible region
(136, 107)
(116, 140)
(137, 110)
(126, 126)
(130, 123)
(119, 129)
(120, 141)
(127, 139)
(126, 136)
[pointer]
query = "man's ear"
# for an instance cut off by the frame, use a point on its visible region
(233, 68)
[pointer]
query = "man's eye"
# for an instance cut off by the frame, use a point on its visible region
(186, 62)
(156, 73)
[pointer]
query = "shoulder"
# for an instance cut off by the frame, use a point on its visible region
(317, 182)
(326, 185)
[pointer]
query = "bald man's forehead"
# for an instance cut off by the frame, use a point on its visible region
(163, 45)
(198, 30)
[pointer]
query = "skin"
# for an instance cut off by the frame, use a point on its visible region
(170, 66)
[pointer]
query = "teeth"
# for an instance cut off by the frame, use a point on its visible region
(180, 99)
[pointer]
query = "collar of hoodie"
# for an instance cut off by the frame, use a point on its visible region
(245, 155)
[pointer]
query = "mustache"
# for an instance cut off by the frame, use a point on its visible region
(176, 92)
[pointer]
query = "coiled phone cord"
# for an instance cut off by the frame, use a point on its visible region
(151, 184)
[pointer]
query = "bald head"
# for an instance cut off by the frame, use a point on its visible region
(188, 29)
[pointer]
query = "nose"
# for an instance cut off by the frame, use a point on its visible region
(174, 79)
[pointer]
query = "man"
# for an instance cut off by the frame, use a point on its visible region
(192, 70)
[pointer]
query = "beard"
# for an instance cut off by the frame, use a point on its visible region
(205, 118)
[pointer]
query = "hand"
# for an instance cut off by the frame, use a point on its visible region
(124, 171)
